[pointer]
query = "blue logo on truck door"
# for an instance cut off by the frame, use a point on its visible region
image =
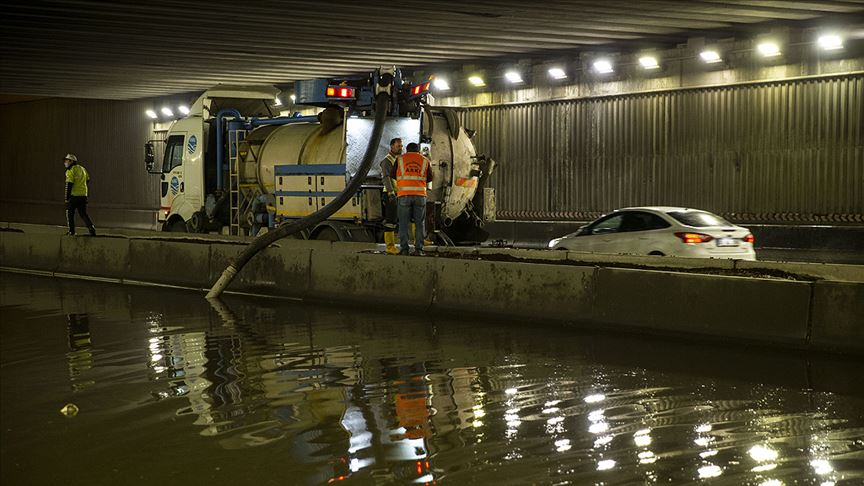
(175, 185)
(192, 144)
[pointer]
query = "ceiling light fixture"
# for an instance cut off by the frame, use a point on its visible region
(603, 66)
(513, 76)
(710, 56)
(557, 73)
(768, 49)
(649, 62)
(830, 42)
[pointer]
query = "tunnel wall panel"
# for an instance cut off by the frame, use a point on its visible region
(789, 151)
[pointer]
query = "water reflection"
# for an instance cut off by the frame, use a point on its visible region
(80, 357)
(327, 396)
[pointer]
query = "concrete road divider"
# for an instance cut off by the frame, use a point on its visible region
(806, 306)
(768, 310)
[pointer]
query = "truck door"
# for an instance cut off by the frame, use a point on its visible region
(172, 184)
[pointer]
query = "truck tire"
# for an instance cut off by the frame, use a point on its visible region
(176, 226)
(327, 234)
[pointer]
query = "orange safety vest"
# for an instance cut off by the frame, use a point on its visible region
(411, 175)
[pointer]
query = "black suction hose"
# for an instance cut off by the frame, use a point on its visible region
(265, 240)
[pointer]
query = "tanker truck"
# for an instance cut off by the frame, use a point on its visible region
(233, 167)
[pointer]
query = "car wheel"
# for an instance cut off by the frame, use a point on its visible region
(657, 253)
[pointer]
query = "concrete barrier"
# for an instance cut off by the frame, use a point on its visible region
(282, 271)
(774, 311)
(365, 277)
(683, 296)
(22, 250)
(838, 316)
(513, 289)
(170, 262)
(97, 257)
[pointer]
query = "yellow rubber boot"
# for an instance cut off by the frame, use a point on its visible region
(390, 241)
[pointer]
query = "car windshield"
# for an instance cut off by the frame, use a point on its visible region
(699, 219)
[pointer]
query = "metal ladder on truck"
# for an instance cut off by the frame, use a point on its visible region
(234, 195)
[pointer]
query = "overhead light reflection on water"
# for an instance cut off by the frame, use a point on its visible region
(647, 457)
(605, 465)
(709, 471)
(821, 467)
(596, 398)
(642, 438)
(601, 441)
(563, 445)
(771, 482)
(703, 441)
(761, 453)
(764, 467)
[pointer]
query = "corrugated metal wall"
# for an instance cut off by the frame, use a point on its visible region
(107, 137)
(767, 152)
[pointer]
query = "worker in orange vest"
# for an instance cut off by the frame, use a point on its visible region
(412, 172)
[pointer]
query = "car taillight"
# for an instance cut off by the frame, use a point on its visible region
(694, 237)
(749, 238)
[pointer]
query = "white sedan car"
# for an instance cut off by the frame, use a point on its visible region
(680, 232)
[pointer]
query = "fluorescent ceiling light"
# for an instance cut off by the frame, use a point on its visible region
(710, 56)
(603, 66)
(649, 62)
(768, 49)
(441, 84)
(293, 98)
(183, 109)
(167, 111)
(476, 81)
(830, 42)
(151, 114)
(277, 101)
(513, 76)
(557, 73)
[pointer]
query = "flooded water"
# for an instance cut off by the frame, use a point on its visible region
(163, 388)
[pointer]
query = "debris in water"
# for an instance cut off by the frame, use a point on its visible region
(69, 410)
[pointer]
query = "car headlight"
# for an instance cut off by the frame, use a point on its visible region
(553, 242)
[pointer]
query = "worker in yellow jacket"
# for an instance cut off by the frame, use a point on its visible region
(76, 193)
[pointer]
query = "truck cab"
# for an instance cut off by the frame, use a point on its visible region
(188, 160)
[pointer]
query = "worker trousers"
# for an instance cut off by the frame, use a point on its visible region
(412, 207)
(78, 203)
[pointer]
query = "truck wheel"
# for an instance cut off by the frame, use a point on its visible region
(327, 234)
(177, 226)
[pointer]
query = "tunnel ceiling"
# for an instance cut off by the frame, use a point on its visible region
(124, 50)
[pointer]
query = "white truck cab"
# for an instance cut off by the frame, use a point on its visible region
(187, 170)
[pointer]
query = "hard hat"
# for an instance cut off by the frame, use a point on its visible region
(71, 157)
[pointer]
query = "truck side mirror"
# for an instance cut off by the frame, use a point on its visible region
(149, 156)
